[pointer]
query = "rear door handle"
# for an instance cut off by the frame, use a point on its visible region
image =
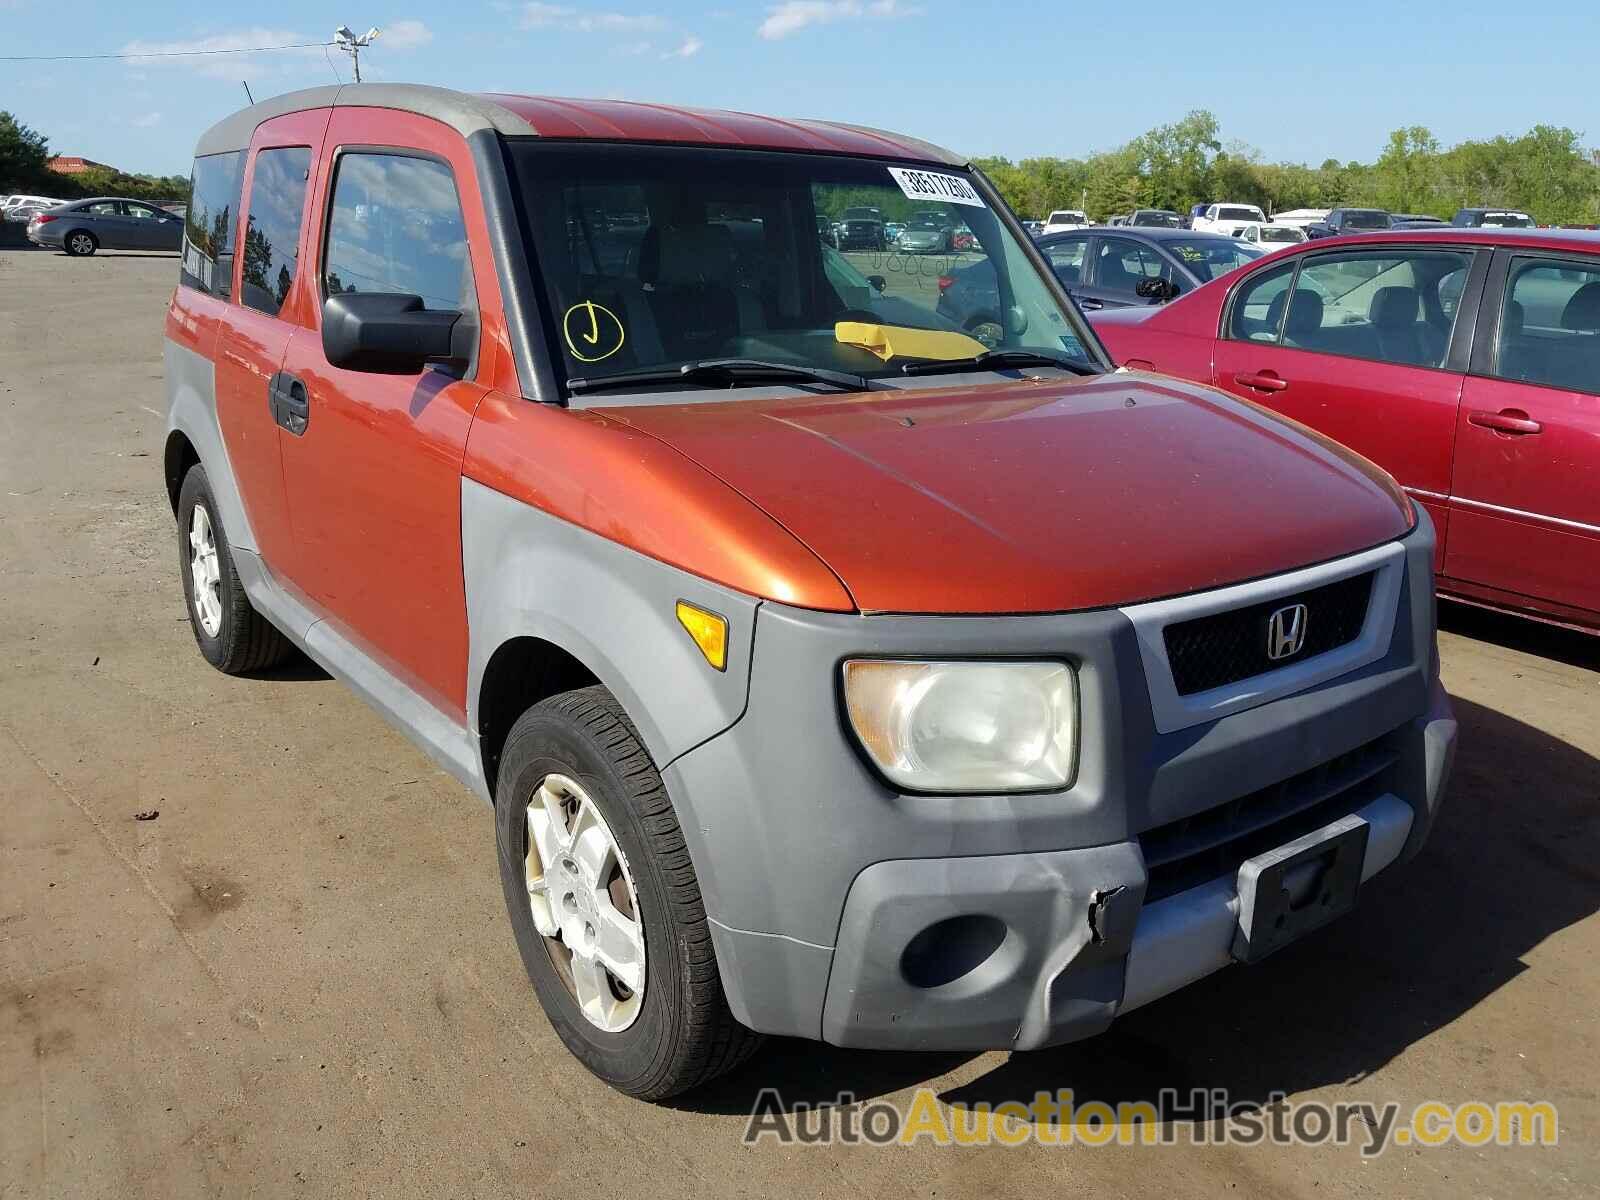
(1089, 303)
(1507, 420)
(290, 402)
(1262, 381)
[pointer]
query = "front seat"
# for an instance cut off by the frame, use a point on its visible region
(689, 275)
(1305, 317)
(1401, 336)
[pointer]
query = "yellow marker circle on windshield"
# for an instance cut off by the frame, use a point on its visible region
(592, 331)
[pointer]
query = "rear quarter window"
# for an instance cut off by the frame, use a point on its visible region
(209, 226)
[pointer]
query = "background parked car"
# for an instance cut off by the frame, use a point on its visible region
(1155, 218)
(20, 199)
(1301, 217)
(1195, 213)
(861, 229)
(1493, 218)
(1064, 219)
(106, 222)
(1271, 236)
(1228, 219)
(1348, 220)
(1100, 268)
(927, 235)
(1466, 362)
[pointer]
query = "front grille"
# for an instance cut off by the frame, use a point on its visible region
(1209, 652)
(1210, 844)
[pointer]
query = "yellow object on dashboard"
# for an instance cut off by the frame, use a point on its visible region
(891, 341)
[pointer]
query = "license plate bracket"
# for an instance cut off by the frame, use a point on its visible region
(1300, 886)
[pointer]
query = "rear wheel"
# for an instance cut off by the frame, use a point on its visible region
(80, 243)
(232, 635)
(604, 902)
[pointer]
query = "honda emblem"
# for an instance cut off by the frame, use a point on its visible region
(1286, 632)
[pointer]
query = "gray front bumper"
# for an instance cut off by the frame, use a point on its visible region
(845, 911)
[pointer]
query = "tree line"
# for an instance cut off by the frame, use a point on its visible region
(1545, 172)
(25, 153)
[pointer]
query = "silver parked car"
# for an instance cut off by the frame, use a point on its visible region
(106, 222)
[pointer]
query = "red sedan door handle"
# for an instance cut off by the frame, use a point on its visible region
(1507, 420)
(1262, 381)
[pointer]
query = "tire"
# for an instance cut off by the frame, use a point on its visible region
(80, 243)
(232, 635)
(680, 1033)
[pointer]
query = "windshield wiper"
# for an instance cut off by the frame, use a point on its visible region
(991, 360)
(728, 372)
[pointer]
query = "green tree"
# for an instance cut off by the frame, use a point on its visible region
(23, 154)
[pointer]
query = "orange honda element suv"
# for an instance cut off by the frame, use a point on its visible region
(833, 670)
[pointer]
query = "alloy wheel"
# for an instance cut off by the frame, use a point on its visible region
(584, 903)
(205, 571)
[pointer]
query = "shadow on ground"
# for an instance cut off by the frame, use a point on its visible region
(1517, 633)
(1428, 942)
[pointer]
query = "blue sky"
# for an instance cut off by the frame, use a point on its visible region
(1299, 81)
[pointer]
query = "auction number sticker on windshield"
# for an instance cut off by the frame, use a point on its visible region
(934, 185)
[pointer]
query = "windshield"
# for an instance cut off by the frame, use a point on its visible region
(731, 255)
(1281, 233)
(1240, 214)
(1157, 218)
(1211, 258)
(1508, 220)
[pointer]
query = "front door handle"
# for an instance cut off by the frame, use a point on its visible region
(1262, 381)
(1089, 303)
(290, 402)
(1507, 420)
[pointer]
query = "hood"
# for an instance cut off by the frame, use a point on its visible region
(1038, 496)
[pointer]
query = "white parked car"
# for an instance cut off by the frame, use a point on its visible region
(1301, 217)
(1064, 219)
(1273, 235)
(1228, 219)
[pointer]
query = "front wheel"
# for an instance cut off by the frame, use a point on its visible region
(604, 902)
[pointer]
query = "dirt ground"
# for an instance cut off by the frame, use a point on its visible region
(298, 979)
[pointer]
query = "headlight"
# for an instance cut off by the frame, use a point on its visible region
(966, 726)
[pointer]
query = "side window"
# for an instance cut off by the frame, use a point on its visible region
(208, 226)
(104, 208)
(396, 227)
(272, 231)
(141, 212)
(1393, 307)
(1257, 313)
(1122, 264)
(1066, 259)
(1550, 325)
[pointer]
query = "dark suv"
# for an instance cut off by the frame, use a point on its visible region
(860, 229)
(1349, 220)
(1495, 218)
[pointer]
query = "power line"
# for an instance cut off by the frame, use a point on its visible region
(160, 53)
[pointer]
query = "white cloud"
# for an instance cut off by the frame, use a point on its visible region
(690, 47)
(202, 54)
(145, 120)
(538, 15)
(405, 35)
(794, 15)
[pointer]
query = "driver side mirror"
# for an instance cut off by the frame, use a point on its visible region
(390, 334)
(1156, 289)
(878, 282)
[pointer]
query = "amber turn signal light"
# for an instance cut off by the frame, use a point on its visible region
(709, 631)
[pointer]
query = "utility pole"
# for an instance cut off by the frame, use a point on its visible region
(353, 45)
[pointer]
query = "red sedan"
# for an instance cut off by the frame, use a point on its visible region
(1464, 361)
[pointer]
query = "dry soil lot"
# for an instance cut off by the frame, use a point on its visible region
(298, 979)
